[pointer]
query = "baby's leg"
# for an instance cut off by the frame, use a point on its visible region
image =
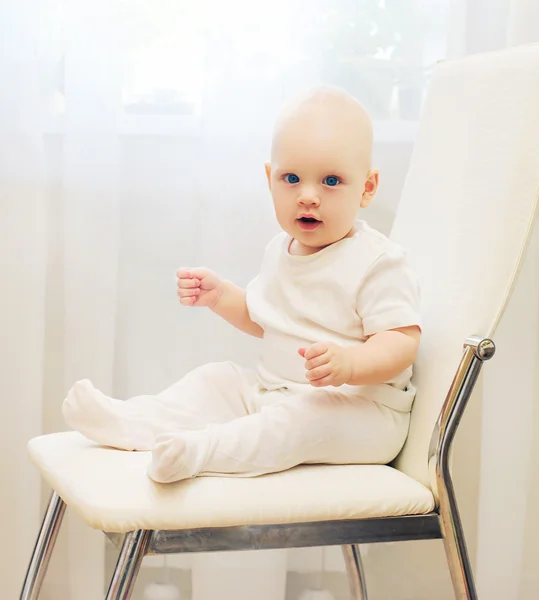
(214, 393)
(317, 427)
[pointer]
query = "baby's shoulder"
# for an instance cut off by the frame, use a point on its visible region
(277, 241)
(274, 248)
(371, 244)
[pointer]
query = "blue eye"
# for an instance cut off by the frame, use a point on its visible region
(291, 178)
(331, 180)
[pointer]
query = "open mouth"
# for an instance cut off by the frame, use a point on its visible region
(308, 223)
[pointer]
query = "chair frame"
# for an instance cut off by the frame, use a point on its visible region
(444, 522)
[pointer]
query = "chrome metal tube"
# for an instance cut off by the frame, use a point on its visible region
(128, 565)
(356, 572)
(41, 555)
(476, 351)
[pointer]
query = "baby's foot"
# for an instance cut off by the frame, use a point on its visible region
(100, 418)
(177, 456)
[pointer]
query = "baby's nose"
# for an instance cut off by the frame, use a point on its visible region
(308, 198)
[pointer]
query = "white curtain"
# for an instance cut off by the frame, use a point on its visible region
(132, 141)
(23, 219)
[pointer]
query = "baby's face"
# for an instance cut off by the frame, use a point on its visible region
(319, 177)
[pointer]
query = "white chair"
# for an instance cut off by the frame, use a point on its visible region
(465, 217)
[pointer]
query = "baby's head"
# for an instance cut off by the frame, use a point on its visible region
(321, 167)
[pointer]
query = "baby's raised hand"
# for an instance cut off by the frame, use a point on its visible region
(327, 364)
(199, 287)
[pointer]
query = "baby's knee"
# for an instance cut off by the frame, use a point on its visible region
(214, 367)
(215, 370)
(222, 377)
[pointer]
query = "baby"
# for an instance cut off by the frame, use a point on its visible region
(336, 306)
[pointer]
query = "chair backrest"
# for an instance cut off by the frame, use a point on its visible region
(466, 214)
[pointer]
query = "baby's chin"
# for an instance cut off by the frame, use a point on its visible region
(319, 237)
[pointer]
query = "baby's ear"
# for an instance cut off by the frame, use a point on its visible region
(267, 166)
(371, 185)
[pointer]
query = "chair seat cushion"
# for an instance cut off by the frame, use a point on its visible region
(110, 490)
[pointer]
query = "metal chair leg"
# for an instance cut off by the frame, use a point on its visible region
(43, 549)
(125, 574)
(356, 572)
(477, 350)
(456, 552)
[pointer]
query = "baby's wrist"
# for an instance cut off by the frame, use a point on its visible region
(356, 366)
(221, 289)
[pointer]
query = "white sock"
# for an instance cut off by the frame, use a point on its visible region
(179, 455)
(105, 420)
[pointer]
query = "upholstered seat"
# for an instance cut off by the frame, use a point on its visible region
(110, 490)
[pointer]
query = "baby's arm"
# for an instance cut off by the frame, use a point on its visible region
(202, 287)
(232, 307)
(382, 357)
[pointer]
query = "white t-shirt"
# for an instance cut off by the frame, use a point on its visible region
(343, 293)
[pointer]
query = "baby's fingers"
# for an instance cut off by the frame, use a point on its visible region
(318, 373)
(324, 382)
(315, 350)
(188, 300)
(318, 361)
(188, 293)
(188, 283)
(184, 273)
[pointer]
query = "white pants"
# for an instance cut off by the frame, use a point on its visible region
(240, 429)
